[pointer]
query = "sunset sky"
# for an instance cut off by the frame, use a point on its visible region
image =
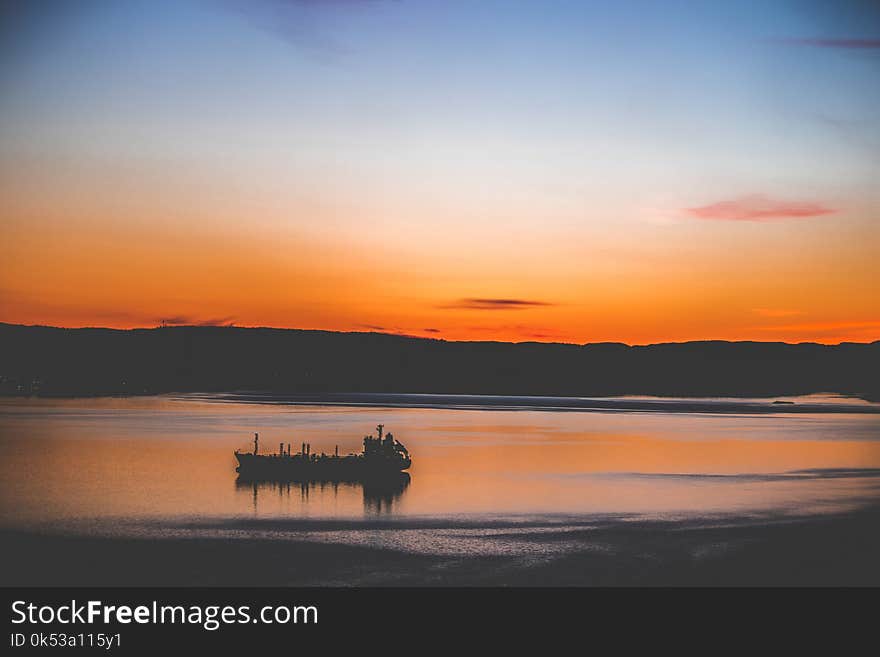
(554, 171)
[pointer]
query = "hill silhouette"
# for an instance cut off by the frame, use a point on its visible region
(90, 361)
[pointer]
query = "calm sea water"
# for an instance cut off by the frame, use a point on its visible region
(106, 464)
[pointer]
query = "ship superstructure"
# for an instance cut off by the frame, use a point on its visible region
(382, 455)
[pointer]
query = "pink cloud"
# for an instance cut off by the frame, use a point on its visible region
(758, 207)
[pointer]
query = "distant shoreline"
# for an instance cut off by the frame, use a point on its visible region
(535, 403)
(710, 405)
(47, 361)
(423, 338)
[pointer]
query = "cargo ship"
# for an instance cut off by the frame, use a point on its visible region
(382, 456)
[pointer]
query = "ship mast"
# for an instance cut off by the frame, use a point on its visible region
(256, 442)
(379, 428)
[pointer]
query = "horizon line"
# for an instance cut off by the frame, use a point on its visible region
(433, 339)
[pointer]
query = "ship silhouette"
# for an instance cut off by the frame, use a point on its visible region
(383, 458)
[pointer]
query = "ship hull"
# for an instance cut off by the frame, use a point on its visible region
(351, 468)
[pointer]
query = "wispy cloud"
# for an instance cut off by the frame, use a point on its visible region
(522, 331)
(174, 320)
(216, 321)
(298, 22)
(495, 304)
(862, 330)
(396, 330)
(847, 44)
(184, 320)
(758, 207)
(776, 312)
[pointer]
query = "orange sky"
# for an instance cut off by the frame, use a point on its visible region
(73, 261)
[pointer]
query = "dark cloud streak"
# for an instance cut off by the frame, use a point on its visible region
(495, 304)
(183, 320)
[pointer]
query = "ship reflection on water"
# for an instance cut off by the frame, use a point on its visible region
(380, 495)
